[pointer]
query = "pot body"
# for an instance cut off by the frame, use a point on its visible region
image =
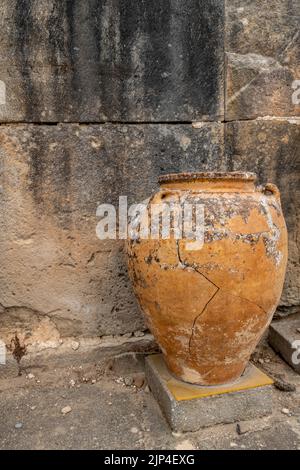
(208, 304)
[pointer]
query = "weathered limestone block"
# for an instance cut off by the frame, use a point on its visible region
(53, 266)
(284, 336)
(271, 149)
(262, 45)
(99, 60)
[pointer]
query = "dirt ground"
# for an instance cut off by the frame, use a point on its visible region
(92, 406)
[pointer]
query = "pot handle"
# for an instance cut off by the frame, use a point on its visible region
(270, 188)
(162, 193)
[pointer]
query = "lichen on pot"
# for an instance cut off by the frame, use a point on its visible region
(208, 306)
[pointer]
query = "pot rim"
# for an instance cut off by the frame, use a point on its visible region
(207, 175)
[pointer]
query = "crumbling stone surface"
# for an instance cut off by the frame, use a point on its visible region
(52, 179)
(99, 60)
(263, 58)
(271, 147)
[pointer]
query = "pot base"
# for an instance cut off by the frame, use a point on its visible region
(190, 407)
(209, 376)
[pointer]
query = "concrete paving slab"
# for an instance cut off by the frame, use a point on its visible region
(189, 408)
(284, 337)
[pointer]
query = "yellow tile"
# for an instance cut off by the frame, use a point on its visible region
(252, 378)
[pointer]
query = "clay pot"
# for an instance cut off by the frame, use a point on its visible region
(208, 306)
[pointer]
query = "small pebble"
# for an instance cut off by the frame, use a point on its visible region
(260, 360)
(30, 376)
(33, 408)
(127, 335)
(66, 409)
(139, 334)
(298, 330)
(176, 434)
(134, 430)
(94, 381)
(128, 381)
(233, 444)
(18, 425)
(139, 381)
(75, 345)
(284, 386)
(285, 411)
(197, 125)
(72, 382)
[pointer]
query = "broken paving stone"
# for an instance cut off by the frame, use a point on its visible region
(66, 409)
(284, 386)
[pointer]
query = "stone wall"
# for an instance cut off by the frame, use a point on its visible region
(98, 98)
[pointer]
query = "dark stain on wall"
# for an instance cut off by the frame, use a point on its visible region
(24, 32)
(119, 60)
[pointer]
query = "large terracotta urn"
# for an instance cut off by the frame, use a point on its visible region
(208, 303)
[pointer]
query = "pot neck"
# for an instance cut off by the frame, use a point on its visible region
(231, 182)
